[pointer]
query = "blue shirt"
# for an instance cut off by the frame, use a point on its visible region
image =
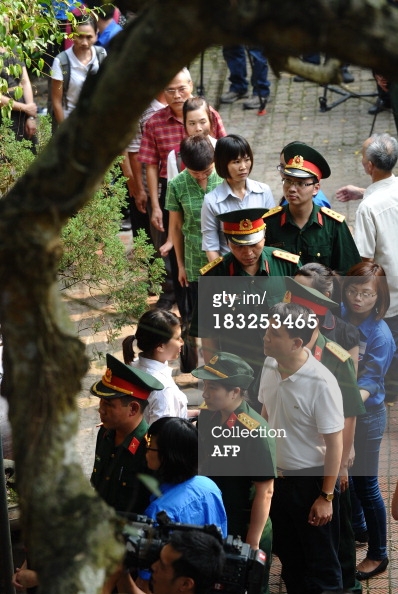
(195, 501)
(106, 35)
(376, 350)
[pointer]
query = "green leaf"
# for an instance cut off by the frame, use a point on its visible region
(18, 93)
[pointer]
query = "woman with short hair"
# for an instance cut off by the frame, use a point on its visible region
(233, 159)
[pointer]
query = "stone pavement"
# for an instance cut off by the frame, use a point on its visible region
(292, 114)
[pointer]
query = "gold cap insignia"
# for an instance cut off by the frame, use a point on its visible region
(214, 359)
(287, 298)
(245, 225)
(298, 161)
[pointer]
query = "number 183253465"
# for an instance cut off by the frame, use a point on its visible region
(255, 321)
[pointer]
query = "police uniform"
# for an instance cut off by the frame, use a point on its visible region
(235, 476)
(325, 237)
(116, 467)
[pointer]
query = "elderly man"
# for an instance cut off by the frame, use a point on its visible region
(376, 225)
(162, 132)
(316, 234)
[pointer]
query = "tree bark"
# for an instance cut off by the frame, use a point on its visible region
(69, 532)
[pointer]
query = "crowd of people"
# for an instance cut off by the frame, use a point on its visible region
(312, 366)
(304, 374)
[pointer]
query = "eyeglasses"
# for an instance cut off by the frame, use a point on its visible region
(280, 167)
(360, 294)
(298, 184)
(180, 91)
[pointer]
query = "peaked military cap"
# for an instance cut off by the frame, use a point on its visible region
(244, 227)
(303, 161)
(122, 380)
(307, 296)
(228, 369)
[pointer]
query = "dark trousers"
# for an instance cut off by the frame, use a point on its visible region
(347, 551)
(308, 553)
(235, 57)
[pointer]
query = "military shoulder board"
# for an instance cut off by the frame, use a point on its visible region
(272, 211)
(286, 256)
(210, 265)
(247, 421)
(333, 214)
(338, 351)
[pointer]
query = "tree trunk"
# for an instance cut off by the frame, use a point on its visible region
(68, 530)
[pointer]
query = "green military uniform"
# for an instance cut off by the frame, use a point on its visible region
(273, 262)
(258, 456)
(339, 362)
(325, 238)
(248, 341)
(115, 470)
(116, 467)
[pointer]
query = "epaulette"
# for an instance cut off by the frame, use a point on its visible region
(272, 211)
(210, 265)
(338, 351)
(203, 406)
(333, 214)
(286, 256)
(248, 421)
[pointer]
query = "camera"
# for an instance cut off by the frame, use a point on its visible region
(243, 568)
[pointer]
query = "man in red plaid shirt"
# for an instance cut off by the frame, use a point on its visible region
(162, 132)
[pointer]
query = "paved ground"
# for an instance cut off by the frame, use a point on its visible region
(293, 114)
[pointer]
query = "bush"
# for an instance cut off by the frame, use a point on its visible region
(94, 254)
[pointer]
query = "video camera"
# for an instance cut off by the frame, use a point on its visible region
(144, 538)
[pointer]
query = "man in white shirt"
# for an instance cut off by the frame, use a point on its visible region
(376, 225)
(302, 398)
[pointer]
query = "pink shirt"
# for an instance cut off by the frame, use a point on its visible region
(161, 134)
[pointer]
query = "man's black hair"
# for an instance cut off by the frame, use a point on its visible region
(296, 312)
(202, 558)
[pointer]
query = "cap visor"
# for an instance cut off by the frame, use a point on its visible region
(298, 173)
(250, 239)
(102, 391)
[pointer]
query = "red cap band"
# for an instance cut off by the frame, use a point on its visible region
(244, 227)
(316, 307)
(120, 385)
(298, 162)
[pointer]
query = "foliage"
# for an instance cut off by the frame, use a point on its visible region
(93, 252)
(94, 255)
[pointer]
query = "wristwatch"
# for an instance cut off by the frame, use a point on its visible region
(327, 496)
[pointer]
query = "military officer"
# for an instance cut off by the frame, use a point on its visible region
(244, 475)
(316, 234)
(340, 363)
(121, 446)
(261, 271)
